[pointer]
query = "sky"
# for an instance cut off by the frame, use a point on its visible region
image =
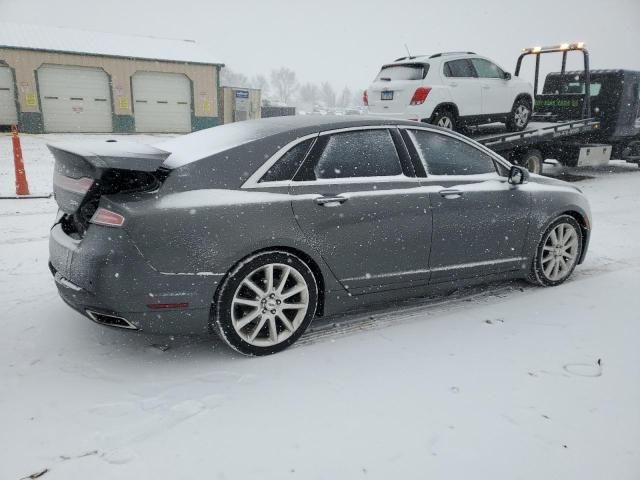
(345, 42)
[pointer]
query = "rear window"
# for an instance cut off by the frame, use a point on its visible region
(414, 71)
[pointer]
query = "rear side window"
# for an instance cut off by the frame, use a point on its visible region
(487, 69)
(444, 155)
(459, 69)
(363, 153)
(287, 166)
(412, 71)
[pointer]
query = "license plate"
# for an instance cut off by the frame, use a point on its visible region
(388, 95)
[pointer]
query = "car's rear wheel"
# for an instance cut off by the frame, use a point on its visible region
(444, 118)
(558, 252)
(520, 115)
(265, 303)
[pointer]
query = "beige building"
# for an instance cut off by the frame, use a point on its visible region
(237, 103)
(62, 80)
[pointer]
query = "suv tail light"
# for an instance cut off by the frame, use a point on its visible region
(420, 95)
(107, 218)
(365, 98)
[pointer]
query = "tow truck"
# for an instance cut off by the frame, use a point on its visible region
(581, 118)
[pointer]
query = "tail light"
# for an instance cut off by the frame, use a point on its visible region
(420, 95)
(105, 217)
(365, 99)
(75, 185)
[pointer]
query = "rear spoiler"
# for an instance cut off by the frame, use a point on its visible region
(113, 154)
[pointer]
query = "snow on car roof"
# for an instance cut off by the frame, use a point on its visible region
(58, 39)
(204, 143)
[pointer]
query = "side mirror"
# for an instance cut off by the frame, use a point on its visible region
(507, 76)
(518, 175)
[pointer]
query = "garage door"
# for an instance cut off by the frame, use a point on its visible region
(75, 99)
(8, 113)
(162, 102)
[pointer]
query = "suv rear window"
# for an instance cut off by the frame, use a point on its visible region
(413, 71)
(459, 69)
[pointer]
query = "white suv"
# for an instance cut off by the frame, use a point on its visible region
(450, 90)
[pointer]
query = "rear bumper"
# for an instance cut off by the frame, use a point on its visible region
(416, 113)
(105, 274)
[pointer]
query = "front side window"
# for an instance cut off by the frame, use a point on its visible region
(287, 166)
(444, 155)
(459, 69)
(362, 153)
(487, 69)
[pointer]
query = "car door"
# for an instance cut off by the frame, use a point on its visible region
(362, 209)
(464, 86)
(480, 221)
(496, 94)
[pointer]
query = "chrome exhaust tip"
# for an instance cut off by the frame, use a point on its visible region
(110, 320)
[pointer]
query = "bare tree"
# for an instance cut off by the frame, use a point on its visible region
(261, 82)
(309, 93)
(229, 78)
(345, 97)
(328, 94)
(284, 83)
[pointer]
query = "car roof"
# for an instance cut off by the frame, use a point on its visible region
(204, 143)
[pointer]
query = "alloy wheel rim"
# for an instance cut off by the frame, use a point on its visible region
(445, 122)
(521, 115)
(269, 305)
(560, 252)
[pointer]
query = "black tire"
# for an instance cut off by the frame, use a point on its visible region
(532, 160)
(444, 118)
(537, 274)
(517, 121)
(221, 311)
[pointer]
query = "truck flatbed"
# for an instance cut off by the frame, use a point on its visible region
(495, 136)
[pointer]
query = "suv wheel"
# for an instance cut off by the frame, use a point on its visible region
(520, 115)
(444, 119)
(266, 302)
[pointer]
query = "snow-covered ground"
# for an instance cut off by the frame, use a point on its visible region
(502, 382)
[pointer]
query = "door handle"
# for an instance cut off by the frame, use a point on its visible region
(486, 87)
(453, 84)
(330, 201)
(451, 193)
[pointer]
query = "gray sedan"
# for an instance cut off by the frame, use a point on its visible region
(250, 230)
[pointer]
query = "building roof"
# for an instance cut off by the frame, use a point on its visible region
(58, 39)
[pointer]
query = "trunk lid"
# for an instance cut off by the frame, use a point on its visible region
(84, 171)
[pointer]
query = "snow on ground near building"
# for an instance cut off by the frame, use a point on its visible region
(507, 381)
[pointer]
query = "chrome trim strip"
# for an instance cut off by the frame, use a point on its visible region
(437, 269)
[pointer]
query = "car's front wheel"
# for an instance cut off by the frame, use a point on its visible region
(558, 252)
(520, 115)
(265, 303)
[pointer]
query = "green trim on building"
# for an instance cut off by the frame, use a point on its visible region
(123, 124)
(30, 122)
(200, 123)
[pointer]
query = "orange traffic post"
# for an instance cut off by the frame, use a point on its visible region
(22, 187)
